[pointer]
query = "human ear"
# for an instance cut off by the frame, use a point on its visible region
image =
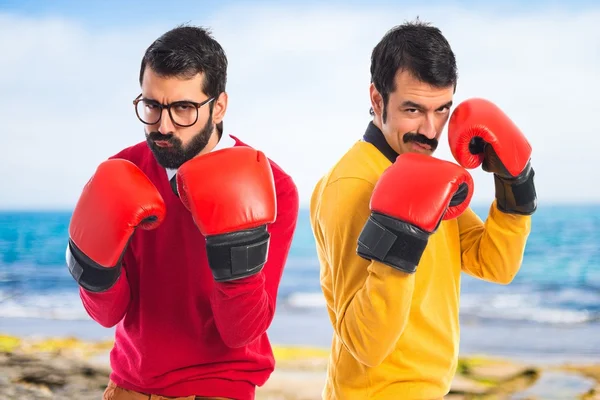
(376, 100)
(220, 108)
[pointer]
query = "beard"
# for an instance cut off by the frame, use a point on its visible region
(174, 156)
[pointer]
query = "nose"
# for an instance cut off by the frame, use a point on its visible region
(165, 125)
(428, 127)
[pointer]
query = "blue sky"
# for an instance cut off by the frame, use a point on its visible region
(298, 83)
(110, 13)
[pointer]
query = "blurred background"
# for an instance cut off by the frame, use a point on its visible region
(298, 89)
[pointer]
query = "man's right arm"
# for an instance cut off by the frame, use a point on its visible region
(109, 307)
(369, 301)
(105, 217)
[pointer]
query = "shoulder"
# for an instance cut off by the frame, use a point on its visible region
(341, 197)
(348, 185)
(339, 209)
(361, 162)
(340, 202)
(284, 183)
(288, 201)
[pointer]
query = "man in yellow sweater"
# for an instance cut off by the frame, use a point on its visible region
(393, 229)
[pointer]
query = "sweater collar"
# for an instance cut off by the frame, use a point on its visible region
(225, 142)
(374, 136)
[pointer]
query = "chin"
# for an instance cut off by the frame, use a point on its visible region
(421, 151)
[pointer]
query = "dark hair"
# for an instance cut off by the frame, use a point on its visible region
(186, 51)
(416, 47)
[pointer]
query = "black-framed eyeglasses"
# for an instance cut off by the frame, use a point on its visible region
(182, 113)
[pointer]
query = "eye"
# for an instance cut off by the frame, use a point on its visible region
(443, 110)
(411, 110)
(183, 107)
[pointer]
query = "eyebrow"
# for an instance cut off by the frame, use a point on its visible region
(412, 104)
(176, 101)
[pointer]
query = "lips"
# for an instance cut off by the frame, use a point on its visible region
(420, 146)
(162, 143)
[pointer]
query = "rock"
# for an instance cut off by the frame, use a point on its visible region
(488, 377)
(39, 375)
(499, 371)
(592, 394)
(43, 376)
(557, 385)
(462, 385)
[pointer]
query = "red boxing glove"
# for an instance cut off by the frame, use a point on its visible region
(118, 199)
(408, 203)
(231, 195)
(479, 133)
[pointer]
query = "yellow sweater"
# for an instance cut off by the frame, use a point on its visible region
(396, 336)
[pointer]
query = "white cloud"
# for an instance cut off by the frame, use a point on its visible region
(298, 86)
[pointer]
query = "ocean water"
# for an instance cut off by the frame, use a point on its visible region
(552, 306)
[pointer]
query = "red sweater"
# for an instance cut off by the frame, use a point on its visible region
(180, 333)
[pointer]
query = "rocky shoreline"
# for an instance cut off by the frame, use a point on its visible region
(72, 369)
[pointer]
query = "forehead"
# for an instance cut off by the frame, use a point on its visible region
(172, 88)
(409, 88)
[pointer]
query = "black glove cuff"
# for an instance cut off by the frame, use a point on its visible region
(87, 273)
(238, 255)
(392, 242)
(517, 195)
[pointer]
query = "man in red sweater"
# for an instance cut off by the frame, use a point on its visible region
(181, 240)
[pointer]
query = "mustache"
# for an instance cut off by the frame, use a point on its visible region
(422, 139)
(159, 136)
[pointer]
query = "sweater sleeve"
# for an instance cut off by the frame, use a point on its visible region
(243, 309)
(368, 302)
(493, 251)
(108, 308)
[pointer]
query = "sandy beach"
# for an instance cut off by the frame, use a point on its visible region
(70, 368)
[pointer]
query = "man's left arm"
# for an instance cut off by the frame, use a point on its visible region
(248, 221)
(493, 250)
(244, 308)
(480, 133)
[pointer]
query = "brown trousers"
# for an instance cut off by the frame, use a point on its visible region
(114, 392)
